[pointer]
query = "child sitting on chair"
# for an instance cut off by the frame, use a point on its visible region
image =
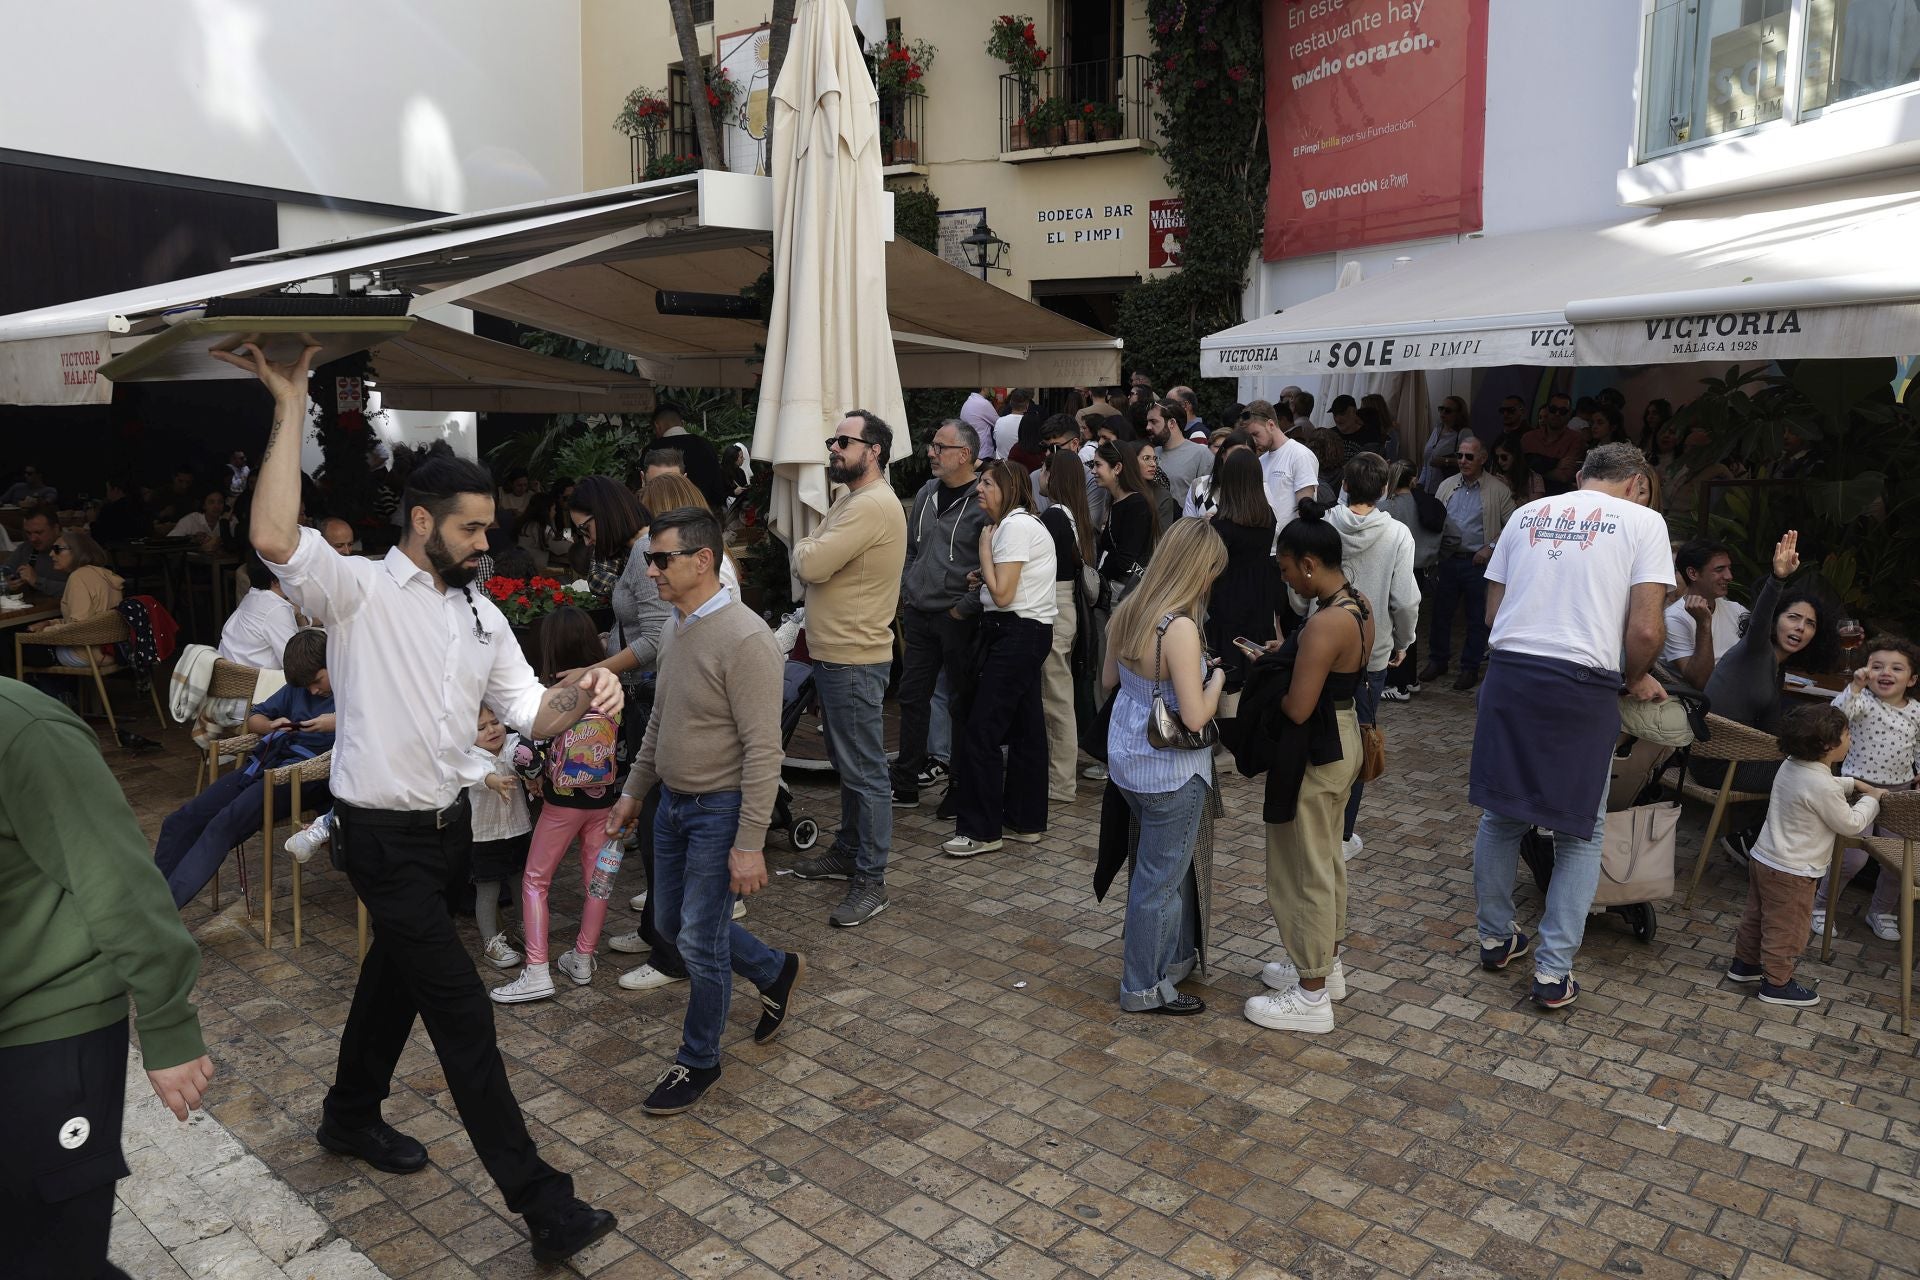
(294, 724)
(1807, 810)
(1885, 720)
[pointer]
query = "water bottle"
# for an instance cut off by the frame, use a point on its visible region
(605, 868)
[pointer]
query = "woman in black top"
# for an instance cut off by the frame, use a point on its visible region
(1250, 591)
(1133, 521)
(1066, 518)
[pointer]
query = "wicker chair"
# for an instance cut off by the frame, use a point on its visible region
(229, 680)
(108, 628)
(1900, 814)
(1737, 744)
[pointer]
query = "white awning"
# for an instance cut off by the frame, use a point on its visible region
(1825, 272)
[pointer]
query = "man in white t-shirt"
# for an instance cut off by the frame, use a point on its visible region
(255, 634)
(1574, 594)
(1702, 624)
(1006, 428)
(1289, 469)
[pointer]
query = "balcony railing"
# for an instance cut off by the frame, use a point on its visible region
(1101, 101)
(902, 128)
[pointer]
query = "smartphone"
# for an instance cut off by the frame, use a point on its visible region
(1249, 648)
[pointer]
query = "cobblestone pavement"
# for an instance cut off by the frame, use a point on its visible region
(959, 1093)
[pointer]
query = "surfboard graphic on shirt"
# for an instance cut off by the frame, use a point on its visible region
(1567, 529)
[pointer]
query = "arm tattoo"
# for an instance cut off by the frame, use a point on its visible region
(563, 700)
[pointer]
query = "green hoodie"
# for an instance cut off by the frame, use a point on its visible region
(85, 916)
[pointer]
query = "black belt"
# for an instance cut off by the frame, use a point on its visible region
(416, 819)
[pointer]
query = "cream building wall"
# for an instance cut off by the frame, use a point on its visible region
(1079, 214)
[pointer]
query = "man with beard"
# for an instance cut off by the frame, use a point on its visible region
(1181, 461)
(852, 567)
(413, 651)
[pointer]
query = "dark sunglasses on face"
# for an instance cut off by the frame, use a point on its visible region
(60, 546)
(844, 442)
(661, 559)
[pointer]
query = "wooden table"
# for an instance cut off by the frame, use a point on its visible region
(1822, 689)
(39, 608)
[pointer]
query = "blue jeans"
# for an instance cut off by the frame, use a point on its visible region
(1366, 710)
(940, 723)
(692, 897)
(196, 838)
(1576, 874)
(850, 702)
(1159, 947)
(1458, 581)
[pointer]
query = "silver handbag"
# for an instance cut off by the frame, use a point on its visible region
(1165, 729)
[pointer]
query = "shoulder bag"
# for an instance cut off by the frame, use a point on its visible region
(1165, 729)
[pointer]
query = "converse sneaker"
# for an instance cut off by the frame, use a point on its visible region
(776, 1002)
(638, 901)
(630, 944)
(500, 954)
(1280, 975)
(865, 899)
(831, 865)
(1885, 925)
(1741, 971)
(1555, 993)
(1791, 993)
(578, 965)
(534, 983)
(679, 1089)
(1291, 1010)
(306, 842)
(1350, 847)
(968, 847)
(1498, 955)
(647, 978)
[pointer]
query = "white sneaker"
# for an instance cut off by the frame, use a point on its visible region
(967, 847)
(1291, 1010)
(1280, 975)
(628, 943)
(534, 983)
(639, 901)
(578, 965)
(1094, 773)
(1350, 847)
(499, 954)
(1885, 925)
(1817, 927)
(739, 908)
(646, 978)
(306, 842)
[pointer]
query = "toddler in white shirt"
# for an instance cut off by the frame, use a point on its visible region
(1885, 720)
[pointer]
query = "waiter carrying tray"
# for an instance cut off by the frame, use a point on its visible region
(413, 651)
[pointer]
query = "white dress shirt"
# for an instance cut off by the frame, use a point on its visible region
(256, 633)
(409, 675)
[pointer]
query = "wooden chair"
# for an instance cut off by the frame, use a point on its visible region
(86, 634)
(317, 769)
(1900, 814)
(222, 751)
(1737, 744)
(229, 680)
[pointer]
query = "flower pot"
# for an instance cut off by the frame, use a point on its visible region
(904, 151)
(1103, 132)
(1076, 132)
(1017, 136)
(1056, 134)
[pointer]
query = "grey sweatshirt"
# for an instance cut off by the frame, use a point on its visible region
(1376, 554)
(942, 549)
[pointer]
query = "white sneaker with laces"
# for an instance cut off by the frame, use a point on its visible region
(534, 983)
(1280, 975)
(646, 978)
(578, 965)
(1350, 847)
(1291, 1010)
(1885, 925)
(1094, 773)
(306, 842)
(1817, 927)
(499, 954)
(628, 943)
(639, 901)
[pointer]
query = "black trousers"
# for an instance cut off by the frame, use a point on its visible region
(666, 956)
(60, 1105)
(416, 966)
(935, 641)
(1005, 709)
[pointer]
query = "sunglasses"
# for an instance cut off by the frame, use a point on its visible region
(661, 559)
(61, 546)
(847, 442)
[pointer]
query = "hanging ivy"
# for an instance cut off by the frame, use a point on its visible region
(1207, 78)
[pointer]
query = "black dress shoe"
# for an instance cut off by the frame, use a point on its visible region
(777, 1000)
(565, 1232)
(379, 1144)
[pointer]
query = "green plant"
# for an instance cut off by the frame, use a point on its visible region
(898, 66)
(670, 167)
(1045, 116)
(644, 111)
(1102, 115)
(1011, 40)
(602, 451)
(916, 218)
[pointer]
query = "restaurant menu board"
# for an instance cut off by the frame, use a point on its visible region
(956, 225)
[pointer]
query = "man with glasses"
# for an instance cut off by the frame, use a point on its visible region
(1441, 457)
(1478, 505)
(938, 614)
(1554, 448)
(852, 567)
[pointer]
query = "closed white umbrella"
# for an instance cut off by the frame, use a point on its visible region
(829, 345)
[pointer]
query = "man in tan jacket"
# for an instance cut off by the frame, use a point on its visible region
(852, 566)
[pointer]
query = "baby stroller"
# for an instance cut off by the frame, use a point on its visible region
(802, 833)
(1636, 865)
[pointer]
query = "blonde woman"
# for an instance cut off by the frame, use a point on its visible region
(1154, 643)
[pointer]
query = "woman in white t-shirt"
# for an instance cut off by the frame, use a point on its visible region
(1016, 577)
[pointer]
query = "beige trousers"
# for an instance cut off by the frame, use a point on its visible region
(1056, 697)
(1306, 876)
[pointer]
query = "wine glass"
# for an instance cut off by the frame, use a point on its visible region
(1852, 634)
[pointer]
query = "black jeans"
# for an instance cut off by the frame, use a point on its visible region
(1459, 582)
(56, 1201)
(1005, 709)
(935, 642)
(416, 965)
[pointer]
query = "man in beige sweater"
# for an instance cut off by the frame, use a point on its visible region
(852, 567)
(719, 689)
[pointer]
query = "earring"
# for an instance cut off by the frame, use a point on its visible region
(1309, 575)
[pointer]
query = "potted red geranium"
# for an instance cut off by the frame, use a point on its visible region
(525, 601)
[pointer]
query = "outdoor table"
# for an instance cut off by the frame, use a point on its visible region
(1816, 688)
(39, 608)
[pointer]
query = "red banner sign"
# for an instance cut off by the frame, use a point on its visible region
(1376, 120)
(1166, 233)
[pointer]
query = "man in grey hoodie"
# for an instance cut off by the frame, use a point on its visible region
(938, 612)
(1376, 554)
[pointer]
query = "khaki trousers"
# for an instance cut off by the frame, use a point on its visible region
(1056, 697)
(1306, 876)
